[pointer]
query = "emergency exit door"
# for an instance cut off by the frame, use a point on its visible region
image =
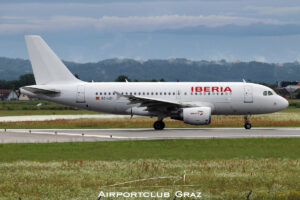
(80, 97)
(248, 94)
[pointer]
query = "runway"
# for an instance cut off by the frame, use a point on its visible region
(76, 135)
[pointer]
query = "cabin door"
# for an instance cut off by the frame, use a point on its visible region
(248, 94)
(80, 97)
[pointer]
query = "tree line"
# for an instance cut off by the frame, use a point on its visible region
(25, 79)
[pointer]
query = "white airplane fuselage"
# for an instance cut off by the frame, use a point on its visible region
(241, 99)
(191, 102)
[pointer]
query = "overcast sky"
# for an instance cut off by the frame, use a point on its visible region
(89, 31)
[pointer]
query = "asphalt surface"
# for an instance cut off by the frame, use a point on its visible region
(73, 135)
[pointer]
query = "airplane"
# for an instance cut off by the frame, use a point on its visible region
(191, 102)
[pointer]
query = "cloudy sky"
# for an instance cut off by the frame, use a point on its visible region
(89, 31)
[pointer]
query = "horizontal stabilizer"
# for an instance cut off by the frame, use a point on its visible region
(37, 90)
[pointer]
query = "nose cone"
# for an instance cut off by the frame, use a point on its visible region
(283, 103)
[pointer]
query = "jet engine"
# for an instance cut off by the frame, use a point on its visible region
(197, 115)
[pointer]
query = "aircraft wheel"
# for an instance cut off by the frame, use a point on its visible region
(247, 126)
(159, 125)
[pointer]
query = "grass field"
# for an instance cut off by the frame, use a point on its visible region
(19, 108)
(219, 168)
(208, 149)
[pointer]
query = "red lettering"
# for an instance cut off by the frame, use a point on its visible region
(227, 89)
(211, 89)
(215, 89)
(198, 89)
(206, 89)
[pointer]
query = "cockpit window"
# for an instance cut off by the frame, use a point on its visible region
(265, 93)
(270, 93)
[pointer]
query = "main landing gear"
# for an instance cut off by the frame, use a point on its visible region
(247, 122)
(159, 124)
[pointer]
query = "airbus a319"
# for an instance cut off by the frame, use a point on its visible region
(191, 102)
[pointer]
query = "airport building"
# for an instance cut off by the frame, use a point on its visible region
(8, 95)
(289, 89)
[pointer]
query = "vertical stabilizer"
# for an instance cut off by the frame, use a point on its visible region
(46, 66)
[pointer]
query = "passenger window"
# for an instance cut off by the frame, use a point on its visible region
(96, 93)
(109, 93)
(270, 93)
(265, 93)
(104, 93)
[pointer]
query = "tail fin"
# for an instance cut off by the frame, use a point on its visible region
(46, 66)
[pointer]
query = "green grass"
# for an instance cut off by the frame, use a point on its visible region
(208, 149)
(294, 103)
(219, 168)
(269, 179)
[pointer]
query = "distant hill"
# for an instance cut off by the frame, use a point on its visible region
(170, 70)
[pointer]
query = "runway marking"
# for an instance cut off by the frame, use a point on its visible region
(142, 129)
(79, 135)
(154, 136)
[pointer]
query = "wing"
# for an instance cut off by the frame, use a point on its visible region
(155, 106)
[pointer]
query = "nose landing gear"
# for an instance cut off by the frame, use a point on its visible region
(247, 122)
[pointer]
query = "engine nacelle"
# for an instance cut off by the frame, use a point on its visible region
(197, 115)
